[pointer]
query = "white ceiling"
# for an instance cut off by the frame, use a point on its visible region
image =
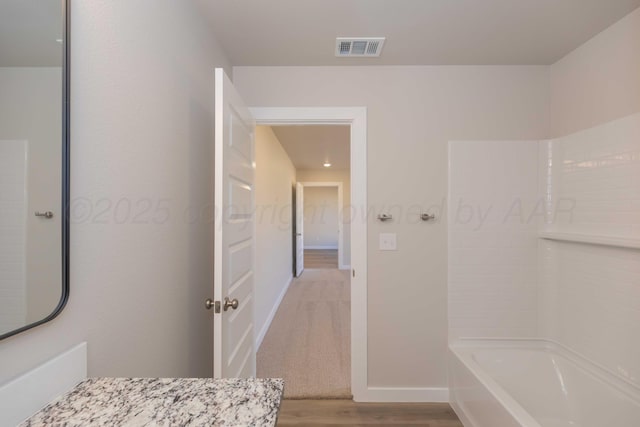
(309, 147)
(419, 32)
(28, 33)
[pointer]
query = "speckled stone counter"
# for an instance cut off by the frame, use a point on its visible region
(165, 402)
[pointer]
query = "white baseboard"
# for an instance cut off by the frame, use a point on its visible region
(466, 421)
(30, 392)
(272, 313)
(404, 394)
(322, 247)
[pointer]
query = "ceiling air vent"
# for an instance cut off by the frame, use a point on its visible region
(359, 47)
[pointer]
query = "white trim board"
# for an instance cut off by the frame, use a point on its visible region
(265, 328)
(356, 117)
(466, 421)
(30, 392)
(331, 247)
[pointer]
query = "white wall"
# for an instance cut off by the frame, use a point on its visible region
(31, 110)
(275, 178)
(493, 238)
(335, 175)
(412, 112)
(141, 132)
(321, 218)
(598, 82)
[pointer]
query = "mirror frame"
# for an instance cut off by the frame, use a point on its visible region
(65, 187)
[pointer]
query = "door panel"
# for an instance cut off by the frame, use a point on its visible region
(236, 325)
(240, 199)
(234, 352)
(238, 231)
(240, 260)
(239, 168)
(239, 367)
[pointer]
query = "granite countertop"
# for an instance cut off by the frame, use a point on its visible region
(165, 402)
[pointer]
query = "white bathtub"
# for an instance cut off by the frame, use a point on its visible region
(536, 383)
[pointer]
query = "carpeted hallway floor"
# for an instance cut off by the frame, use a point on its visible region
(308, 342)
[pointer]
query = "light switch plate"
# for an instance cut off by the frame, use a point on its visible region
(388, 242)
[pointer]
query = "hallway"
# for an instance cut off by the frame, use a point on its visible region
(308, 343)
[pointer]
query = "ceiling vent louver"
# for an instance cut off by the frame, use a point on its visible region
(359, 46)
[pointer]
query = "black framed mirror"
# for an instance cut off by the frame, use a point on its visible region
(34, 162)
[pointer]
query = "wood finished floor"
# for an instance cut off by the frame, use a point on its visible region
(320, 258)
(349, 413)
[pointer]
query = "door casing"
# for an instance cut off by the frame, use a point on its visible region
(299, 231)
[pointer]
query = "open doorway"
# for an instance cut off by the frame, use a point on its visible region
(322, 225)
(307, 340)
(322, 214)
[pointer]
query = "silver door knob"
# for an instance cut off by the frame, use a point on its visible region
(209, 303)
(230, 303)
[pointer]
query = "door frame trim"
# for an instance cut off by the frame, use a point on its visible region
(338, 185)
(356, 117)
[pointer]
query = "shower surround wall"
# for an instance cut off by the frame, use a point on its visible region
(493, 195)
(516, 270)
(589, 295)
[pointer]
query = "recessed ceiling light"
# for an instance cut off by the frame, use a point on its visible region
(327, 165)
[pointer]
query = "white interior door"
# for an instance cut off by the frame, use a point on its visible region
(234, 352)
(299, 229)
